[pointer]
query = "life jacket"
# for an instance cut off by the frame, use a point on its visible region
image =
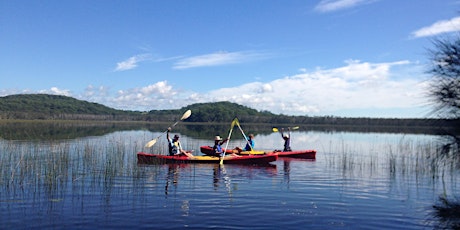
(174, 147)
(218, 150)
(249, 148)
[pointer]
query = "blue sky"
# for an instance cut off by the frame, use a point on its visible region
(350, 58)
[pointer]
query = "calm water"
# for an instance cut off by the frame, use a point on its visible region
(358, 181)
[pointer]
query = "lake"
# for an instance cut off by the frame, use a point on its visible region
(60, 177)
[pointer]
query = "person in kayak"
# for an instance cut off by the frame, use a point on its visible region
(175, 148)
(249, 144)
(287, 139)
(218, 151)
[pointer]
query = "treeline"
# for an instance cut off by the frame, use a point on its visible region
(217, 112)
(55, 107)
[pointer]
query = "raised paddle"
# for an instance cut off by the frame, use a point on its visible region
(184, 116)
(293, 128)
(242, 132)
(228, 140)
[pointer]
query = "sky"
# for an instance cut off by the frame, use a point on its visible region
(346, 58)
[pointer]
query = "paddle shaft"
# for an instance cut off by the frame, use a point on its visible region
(292, 128)
(184, 116)
(247, 141)
(226, 145)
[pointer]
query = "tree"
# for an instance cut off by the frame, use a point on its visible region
(445, 85)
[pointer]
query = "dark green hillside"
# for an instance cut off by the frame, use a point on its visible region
(54, 107)
(215, 112)
(45, 106)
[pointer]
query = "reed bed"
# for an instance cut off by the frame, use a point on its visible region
(406, 158)
(49, 168)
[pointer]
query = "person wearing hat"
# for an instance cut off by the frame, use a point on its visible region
(287, 139)
(175, 148)
(218, 151)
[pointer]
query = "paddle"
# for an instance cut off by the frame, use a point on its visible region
(228, 140)
(184, 116)
(293, 128)
(247, 141)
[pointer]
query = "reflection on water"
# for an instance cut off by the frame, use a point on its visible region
(357, 181)
(56, 130)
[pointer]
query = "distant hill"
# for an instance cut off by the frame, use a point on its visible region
(215, 112)
(55, 107)
(46, 106)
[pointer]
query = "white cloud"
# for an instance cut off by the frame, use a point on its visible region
(334, 5)
(156, 96)
(440, 27)
(216, 59)
(356, 86)
(56, 91)
(131, 62)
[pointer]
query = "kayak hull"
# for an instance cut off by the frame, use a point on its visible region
(305, 154)
(149, 158)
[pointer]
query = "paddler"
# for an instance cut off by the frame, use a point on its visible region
(218, 151)
(249, 144)
(175, 148)
(287, 139)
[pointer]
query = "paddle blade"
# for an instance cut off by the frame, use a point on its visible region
(275, 130)
(151, 143)
(296, 127)
(234, 122)
(186, 115)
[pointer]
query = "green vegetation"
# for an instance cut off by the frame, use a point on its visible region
(217, 112)
(54, 107)
(444, 93)
(46, 107)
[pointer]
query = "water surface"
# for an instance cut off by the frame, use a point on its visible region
(358, 181)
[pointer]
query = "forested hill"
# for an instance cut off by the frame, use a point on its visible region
(216, 112)
(54, 107)
(45, 106)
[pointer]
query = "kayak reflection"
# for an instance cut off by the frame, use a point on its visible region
(223, 176)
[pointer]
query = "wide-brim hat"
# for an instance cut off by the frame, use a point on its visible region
(217, 138)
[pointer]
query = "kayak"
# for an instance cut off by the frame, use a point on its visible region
(307, 154)
(209, 151)
(149, 158)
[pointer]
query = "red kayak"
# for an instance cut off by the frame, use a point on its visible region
(149, 158)
(306, 154)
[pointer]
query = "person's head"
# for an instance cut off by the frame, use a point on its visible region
(217, 138)
(251, 136)
(176, 137)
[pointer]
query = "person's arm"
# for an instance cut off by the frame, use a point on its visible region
(168, 137)
(223, 141)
